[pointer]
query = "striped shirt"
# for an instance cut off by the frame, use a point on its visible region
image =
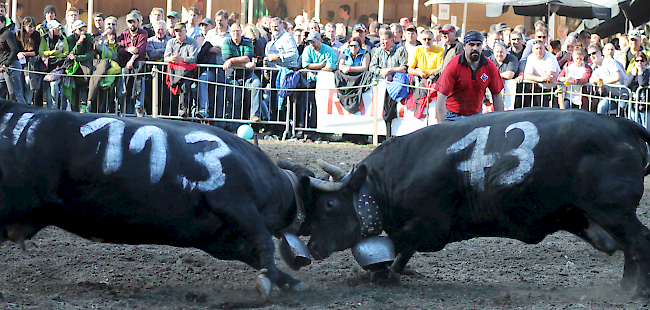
(381, 59)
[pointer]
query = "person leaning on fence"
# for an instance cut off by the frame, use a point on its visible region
(626, 57)
(157, 43)
(101, 88)
(251, 32)
(425, 58)
(605, 71)
(387, 59)
(461, 87)
(132, 51)
(29, 41)
(355, 58)
(353, 71)
(639, 76)
(239, 61)
(213, 42)
(316, 56)
(281, 52)
(54, 49)
(575, 73)
(180, 55)
(81, 54)
(9, 49)
(541, 67)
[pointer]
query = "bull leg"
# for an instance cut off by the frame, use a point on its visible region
(261, 255)
(399, 264)
(633, 237)
(629, 274)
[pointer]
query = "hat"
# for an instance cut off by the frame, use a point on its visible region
(174, 14)
(501, 27)
(359, 27)
(132, 16)
(53, 24)
(77, 24)
(634, 34)
(49, 8)
(179, 26)
(448, 28)
(206, 21)
(411, 28)
(472, 36)
(313, 35)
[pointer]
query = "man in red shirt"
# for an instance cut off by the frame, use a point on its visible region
(462, 85)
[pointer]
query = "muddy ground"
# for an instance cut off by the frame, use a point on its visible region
(62, 271)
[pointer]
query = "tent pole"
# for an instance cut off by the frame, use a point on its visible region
(380, 12)
(464, 24)
(415, 12)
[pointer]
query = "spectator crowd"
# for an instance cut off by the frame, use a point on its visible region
(64, 66)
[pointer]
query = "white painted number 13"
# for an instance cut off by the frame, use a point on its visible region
(479, 160)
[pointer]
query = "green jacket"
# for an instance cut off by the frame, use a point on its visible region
(83, 51)
(45, 49)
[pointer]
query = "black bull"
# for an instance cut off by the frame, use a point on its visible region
(520, 175)
(142, 181)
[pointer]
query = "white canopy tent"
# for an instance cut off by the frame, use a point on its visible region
(463, 26)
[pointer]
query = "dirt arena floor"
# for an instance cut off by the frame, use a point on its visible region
(62, 271)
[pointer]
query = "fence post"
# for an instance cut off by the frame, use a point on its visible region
(154, 92)
(375, 136)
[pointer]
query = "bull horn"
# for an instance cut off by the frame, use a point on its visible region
(325, 186)
(333, 170)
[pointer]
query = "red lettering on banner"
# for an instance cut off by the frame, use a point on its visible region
(331, 103)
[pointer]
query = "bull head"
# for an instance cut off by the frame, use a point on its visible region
(335, 225)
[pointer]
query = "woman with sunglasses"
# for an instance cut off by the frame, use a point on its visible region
(355, 58)
(30, 40)
(639, 76)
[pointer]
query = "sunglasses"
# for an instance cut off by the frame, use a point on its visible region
(541, 37)
(427, 39)
(354, 45)
(638, 60)
(515, 39)
(592, 53)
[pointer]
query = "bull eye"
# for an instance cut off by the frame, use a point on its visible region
(329, 206)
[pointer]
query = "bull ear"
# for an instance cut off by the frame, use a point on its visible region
(358, 177)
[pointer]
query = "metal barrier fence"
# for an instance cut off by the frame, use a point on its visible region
(206, 95)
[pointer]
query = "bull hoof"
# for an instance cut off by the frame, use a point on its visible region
(264, 286)
(641, 296)
(384, 277)
(296, 287)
